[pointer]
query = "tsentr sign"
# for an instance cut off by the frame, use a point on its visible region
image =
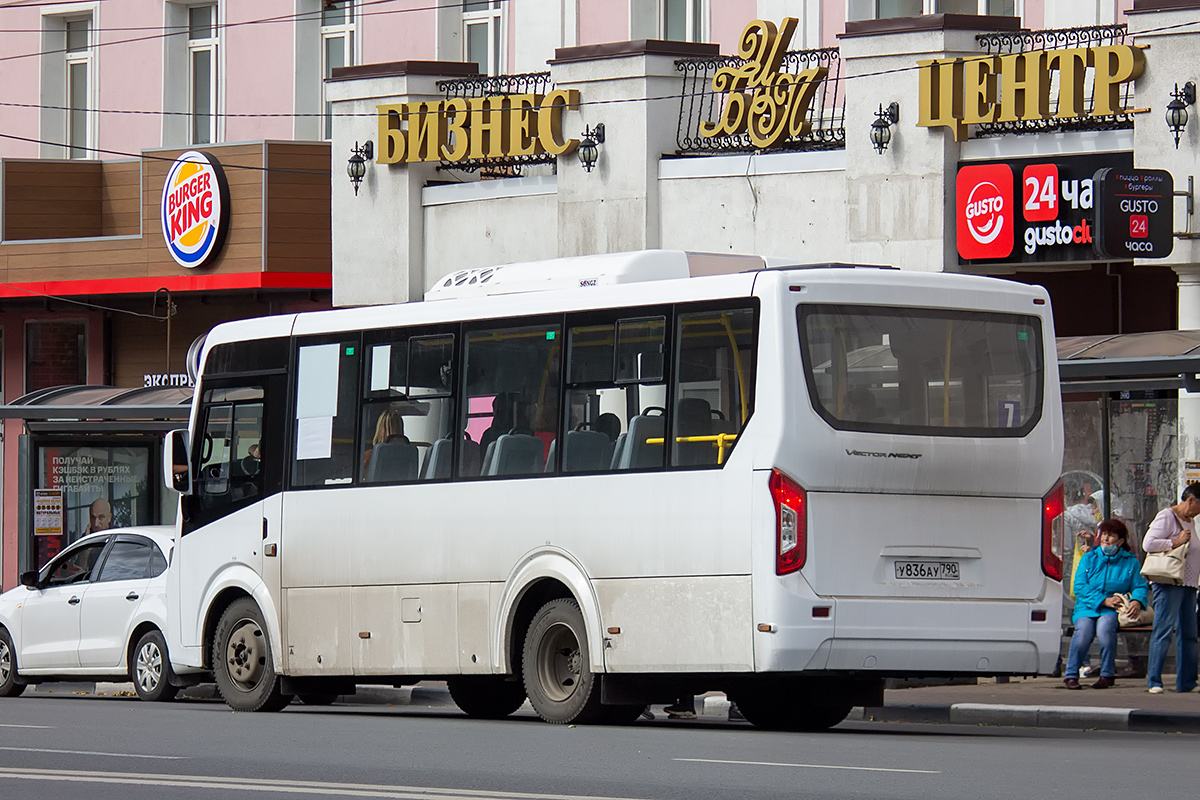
(476, 128)
(957, 92)
(195, 208)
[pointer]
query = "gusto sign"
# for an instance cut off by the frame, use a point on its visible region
(195, 209)
(985, 211)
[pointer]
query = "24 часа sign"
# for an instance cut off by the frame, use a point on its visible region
(1030, 210)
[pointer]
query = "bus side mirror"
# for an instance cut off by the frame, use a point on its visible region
(177, 469)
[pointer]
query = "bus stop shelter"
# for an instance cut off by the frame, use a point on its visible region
(86, 458)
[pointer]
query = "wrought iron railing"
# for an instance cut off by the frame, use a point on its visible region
(701, 106)
(498, 86)
(1056, 39)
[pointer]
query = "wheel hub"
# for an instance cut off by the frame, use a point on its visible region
(149, 667)
(244, 655)
(5, 662)
(560, 662)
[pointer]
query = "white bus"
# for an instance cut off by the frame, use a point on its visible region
(608, 481)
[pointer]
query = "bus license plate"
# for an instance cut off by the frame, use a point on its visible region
(927, 570)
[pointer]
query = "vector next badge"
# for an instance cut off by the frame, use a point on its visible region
(195, 209)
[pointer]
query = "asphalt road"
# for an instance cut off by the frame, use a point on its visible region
(60, 746)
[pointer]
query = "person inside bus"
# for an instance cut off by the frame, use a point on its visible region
(501, 422)
(389, 428)
(861, 405)
(1101, 577)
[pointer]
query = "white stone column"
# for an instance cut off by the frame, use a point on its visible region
(632, 88)
(1171, 60)
(378, 235)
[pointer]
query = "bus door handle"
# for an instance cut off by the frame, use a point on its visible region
(264, 528)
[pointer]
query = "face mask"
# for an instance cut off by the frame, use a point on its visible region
(1109, 549)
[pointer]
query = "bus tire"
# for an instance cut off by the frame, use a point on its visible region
(767, 710)
(486, 697)
(242, 663)
(151, 669)
(8, 667)
(556, 666)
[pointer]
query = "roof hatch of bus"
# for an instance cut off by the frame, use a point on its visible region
(582, 272)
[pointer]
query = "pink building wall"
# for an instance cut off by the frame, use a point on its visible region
(602, 21)
(19, 44)
(1035, 14)
(727, 21)
(128, 56)
(259, 77)
(403, 30)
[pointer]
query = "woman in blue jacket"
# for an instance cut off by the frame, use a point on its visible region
(1104, 574)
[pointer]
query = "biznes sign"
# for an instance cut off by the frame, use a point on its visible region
(195, 209)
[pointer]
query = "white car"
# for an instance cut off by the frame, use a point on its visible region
(96, 612)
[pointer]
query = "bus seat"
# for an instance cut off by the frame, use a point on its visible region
(516, 454)
(693, 417)
(586, 451)
(609, 424)
(618, 448)
(437, 463)
(550, 456)
(468, 457)
(638, 453)
(393, 461)
(488, 456)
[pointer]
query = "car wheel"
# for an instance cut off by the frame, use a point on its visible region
(8, 667)
(151, 671)
(556, 666)
(486, 697)
(242, 662)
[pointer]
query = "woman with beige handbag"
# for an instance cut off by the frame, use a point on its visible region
(1174, 603)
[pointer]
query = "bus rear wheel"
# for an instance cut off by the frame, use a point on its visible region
(556, 666)
(242, 662)
(486, 697)
(770, 711)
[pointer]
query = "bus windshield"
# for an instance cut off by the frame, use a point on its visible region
(923, 371)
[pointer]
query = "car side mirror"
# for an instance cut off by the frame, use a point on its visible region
(177, 469)
(30, 579)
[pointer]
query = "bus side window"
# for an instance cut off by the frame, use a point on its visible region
(326, 410)
(714, 385)
(512, 397)
(430, 422)
(614, 388)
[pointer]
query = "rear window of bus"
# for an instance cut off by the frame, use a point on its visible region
(923, 371)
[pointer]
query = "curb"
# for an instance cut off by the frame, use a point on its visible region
(1069, 717)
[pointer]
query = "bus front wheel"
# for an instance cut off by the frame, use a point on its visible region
(556, 666)
(486, 697)
(242, 662)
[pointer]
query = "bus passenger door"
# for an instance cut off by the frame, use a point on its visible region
(238, 461)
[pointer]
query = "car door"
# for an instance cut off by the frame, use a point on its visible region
(51, 612)
(111, 601)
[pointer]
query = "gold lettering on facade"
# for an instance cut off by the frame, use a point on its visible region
(956, 92)
(759, 100)
(478, 128)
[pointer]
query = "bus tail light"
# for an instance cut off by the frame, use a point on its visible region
(1053, 506)
(791, 523)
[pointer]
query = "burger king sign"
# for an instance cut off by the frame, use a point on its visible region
(195, 208)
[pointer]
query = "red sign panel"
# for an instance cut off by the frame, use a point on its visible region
(1040, 192)
(984, 209)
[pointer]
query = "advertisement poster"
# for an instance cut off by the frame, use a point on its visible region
(98, 487)
(47, 512)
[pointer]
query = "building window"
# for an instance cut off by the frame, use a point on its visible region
(884, 9)
(683, 20)
(337, 49)
(79, 86)
(202, 69)
(482, 36)
(55, 354)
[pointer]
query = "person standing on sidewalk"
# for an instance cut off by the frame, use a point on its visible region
(1175, 606)
(1102, 575)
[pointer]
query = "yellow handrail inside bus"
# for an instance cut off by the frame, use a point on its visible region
(723, 441)
(737, 363)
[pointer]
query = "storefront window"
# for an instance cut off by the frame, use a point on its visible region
(84, 489)
(55, 354)
(1084, 483)
(1144, 445)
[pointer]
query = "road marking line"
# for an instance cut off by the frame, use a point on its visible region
(90, 753)
(282, 787)
(46, 727)
(811, 766)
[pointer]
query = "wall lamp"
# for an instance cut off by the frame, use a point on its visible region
(1177, 114)
(881, 128)
(357, 166)
(589, 153)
